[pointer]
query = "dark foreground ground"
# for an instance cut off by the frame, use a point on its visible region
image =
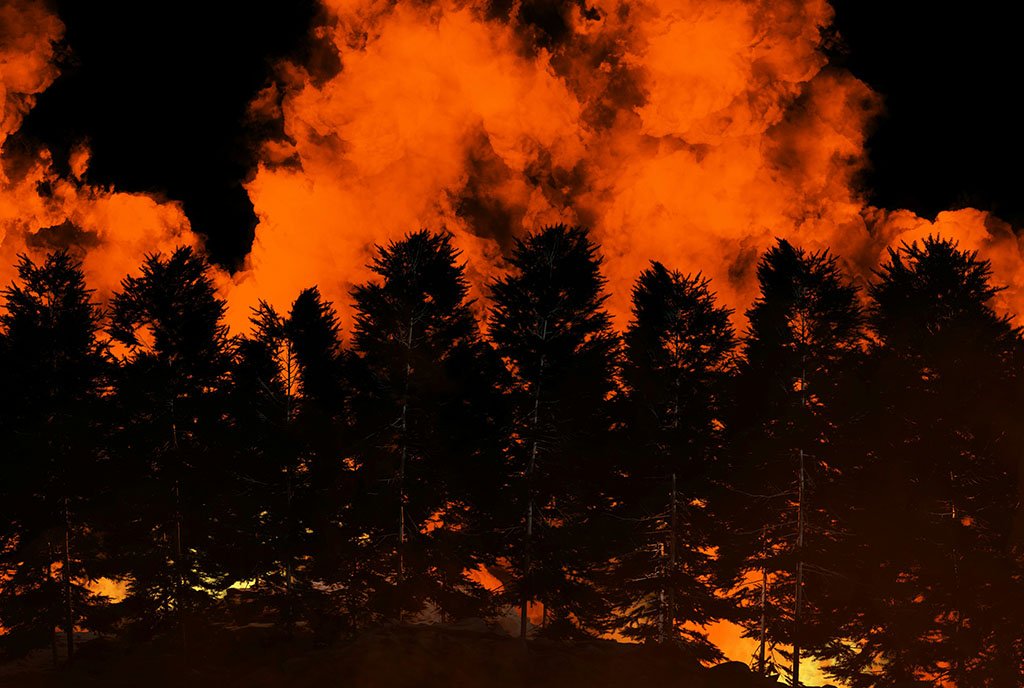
(397, 657)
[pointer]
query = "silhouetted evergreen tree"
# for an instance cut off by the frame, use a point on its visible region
(289, 401)
(53, 368)
(805, 335)
(549, 324)
(930, 590)
(423, 428)
(167, 329)
(336, 578)
(872, 481)
(679, 355)
(264, 396)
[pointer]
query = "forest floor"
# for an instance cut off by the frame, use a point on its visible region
(409, 656)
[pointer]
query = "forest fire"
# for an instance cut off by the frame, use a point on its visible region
(572, 318)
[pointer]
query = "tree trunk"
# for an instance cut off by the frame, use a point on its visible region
(53, 626)
(69, 610)
(762, 668)
(289, 491)
(180, 566)
(179, 549)
(797, 614)
(673, 535)
(534, 449)
(404, 426)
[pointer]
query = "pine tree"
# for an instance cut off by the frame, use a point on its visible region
(420, 413)
(167, 328)
(54, 370)
(935, 494)
(679, 355)
(271, 413)
(263, 400)
(549, 324)
(805, 335)
(334, 581)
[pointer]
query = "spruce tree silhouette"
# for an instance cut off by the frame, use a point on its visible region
(806, 329)
(548, 322)
(932, 502)
(333, 585)
(167, 328)
(288, 400)
(263, 399)
(857, 479)
(54, 369)
(417, 344)
(680, 351)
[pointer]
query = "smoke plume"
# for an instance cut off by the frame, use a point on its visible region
(693, 132)
(41, 210)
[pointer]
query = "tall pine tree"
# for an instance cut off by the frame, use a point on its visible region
(804, 338)
(54, 370)
(167, 328)
(933, 495)
(550, 325)
(289, 409)
(422, 411)
(680, 351)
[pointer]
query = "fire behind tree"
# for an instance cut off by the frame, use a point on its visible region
(842, 479)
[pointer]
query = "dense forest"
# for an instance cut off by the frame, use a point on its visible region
(843, 477)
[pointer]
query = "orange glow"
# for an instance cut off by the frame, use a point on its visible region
(688, 131)
(481, 576)
(109, 230)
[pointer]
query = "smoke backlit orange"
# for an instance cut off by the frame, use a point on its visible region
(109, 231)
(688, 131)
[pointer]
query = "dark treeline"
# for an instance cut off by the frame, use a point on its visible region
(843, 478)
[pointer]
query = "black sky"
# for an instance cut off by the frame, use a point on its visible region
(950, 74)
(160, 91)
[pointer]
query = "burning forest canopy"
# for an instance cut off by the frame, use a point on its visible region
(728, 139)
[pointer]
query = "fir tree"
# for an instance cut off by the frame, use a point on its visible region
(679, 355)
(54, 369)
(933, 499)
(549, 324)
(334, 580)
(421, 412)
(167, 328)
(805, 335)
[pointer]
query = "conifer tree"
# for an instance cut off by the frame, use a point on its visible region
(679, 355)
(335, 581)
(422, 417)
(167, 328)
(550, 326)
(289, 400)
(933, 497)
(263, 396)
(805, 335)
(54, 370)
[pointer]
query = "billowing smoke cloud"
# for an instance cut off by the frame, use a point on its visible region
(691, 132)
(41, 210)
(688, 131)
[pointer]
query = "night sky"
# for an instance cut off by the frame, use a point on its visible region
(160, 90)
